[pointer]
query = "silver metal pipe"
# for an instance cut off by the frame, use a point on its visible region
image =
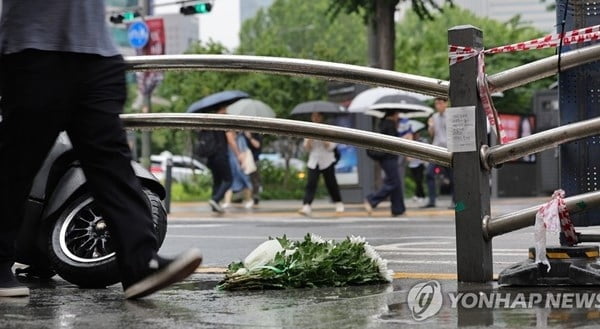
(526, 217)
(291, 66)
(544, 140)
(361, 138)
(542, 68)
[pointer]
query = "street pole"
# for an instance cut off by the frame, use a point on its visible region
(146, 6)
(471, 180)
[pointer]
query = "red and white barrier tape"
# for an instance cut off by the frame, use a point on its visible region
(458, 54)
(591, 33)
(566, 224)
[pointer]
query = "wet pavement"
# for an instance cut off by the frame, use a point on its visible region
(195, 303)
(424, 293)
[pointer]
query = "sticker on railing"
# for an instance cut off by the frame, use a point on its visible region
(460, 129)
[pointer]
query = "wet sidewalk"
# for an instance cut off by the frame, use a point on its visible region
(196, 303)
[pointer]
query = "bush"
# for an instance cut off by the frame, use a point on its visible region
(278, 184)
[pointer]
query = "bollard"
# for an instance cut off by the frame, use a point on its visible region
(168, 183)
(471, 180)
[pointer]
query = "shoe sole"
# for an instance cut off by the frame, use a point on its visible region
(216, 208)
(14, 292)
(179, 269)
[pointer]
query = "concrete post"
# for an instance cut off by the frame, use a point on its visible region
(471, 180)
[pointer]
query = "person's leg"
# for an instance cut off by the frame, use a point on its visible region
(33, 112)
(417, 174)
(311, 186)
(396, 177)
(331, 183)
(221, 171)
(390, 181)
(100, 144)
(430, 178)
(255, 178)
(333, 188)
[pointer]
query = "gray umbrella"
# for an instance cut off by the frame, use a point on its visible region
(251, 107)
(318, 106)
(213, 101)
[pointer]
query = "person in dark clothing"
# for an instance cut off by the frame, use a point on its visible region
(219, 166)
(391, 186)
(61, 72)
(254, 141)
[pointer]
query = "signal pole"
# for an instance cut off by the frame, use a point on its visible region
(146, 6)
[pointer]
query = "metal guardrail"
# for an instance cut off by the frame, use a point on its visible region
(361, 138)
(543, 68)
(541, 141)
(526, 217)
(488, 158)
(291, 66)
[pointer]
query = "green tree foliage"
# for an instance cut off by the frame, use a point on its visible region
(421, 49)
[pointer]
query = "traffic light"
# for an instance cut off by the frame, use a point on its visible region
(199, 8)
(125, 16)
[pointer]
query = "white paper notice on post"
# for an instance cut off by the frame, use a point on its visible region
(460, 128)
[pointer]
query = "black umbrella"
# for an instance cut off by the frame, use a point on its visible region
(212, 102)
(408, 106)
(318, 106)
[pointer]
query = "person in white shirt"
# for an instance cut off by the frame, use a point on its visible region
(321, 160)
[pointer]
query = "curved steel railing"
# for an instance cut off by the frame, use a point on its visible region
(491, 157)
(541, 141)
(291, 66)
(365, 139)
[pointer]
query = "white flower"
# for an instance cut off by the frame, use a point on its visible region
(316, 238)
(380, 262)
(263, 254)
(357, 239)
(241, 271)
(370, 252)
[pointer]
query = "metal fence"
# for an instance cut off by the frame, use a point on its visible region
(474, 256)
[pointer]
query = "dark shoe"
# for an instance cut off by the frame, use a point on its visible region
(216, 207)
(398, 214)
(163, 273)
(429, 205)
(9, 286)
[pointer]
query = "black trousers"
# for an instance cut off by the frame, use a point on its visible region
(391, 187)
(44, 93)
(417, 175)
(221, 174)
(330, 183)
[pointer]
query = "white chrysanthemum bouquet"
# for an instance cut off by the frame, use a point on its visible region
(280, 263)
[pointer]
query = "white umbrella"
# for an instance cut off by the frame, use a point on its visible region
(408, 106)
(365, 99)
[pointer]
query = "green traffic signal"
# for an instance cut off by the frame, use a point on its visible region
(202, 8)
(129, 15)
(199, 8)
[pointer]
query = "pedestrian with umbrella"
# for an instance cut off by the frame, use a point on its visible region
(392, 183)
(255, 108)
(213, 144)
(321, 158)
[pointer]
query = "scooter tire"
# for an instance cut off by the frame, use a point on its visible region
(100, 269)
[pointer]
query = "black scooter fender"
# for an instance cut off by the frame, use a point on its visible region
(74, 179)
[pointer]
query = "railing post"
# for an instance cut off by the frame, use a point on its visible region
(471, 180)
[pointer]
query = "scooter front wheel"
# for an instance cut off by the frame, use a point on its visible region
(80, 246)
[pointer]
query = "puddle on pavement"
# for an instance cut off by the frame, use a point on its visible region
(196, 303)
